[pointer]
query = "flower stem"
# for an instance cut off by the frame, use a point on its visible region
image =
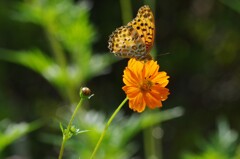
(152, 146)
(57, 49)
(62, 147)
(126, 11)
(61, 60)
(106, 127)
(74, 114)
(66, 133)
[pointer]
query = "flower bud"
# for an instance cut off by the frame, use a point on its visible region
(85, 92)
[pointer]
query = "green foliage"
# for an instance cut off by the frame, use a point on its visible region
(9, 132)
(70, 36)
(233, 4)
(223, 145)
(202, 39)
(117, 141)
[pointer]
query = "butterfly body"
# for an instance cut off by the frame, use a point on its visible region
(135, 39)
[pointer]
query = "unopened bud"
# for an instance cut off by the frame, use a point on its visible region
(86, 92)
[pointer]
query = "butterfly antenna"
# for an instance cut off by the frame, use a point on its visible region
(167, 53)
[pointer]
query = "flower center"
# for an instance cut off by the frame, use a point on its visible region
(146, 85)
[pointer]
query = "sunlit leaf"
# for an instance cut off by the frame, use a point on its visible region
(9, 132)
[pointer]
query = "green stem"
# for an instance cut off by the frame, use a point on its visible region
(74, 113)
(152, 146)
(106, 127)
(60, 58)
(66, 133)
(151, 3)
(62, 147)
(56, 48)
(126, 11)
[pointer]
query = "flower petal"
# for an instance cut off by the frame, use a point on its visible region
(161, 78)
(152, 101)
(151, 68)
(129, 77)
(161, 92)
(136, 67)
(144, 84)
(137, 104)
(131, 92)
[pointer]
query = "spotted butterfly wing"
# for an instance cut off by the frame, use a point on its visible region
(126, 42)
(145, 26)
(134, 40)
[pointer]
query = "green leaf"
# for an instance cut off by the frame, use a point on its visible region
(37, 61)
(61, 127)
(233, 4)
(148, 119)
(9, 132)
(76, 131)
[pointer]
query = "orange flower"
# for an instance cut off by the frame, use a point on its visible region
(144, 85)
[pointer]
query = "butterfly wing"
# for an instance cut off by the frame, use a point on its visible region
(145, 26)
(126, 42)
(134, 40)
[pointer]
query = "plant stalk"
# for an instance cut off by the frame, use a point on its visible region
(66, 132)
(106, 127)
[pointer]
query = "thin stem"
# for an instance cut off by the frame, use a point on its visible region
(61, 60)
(158, 148)
(126, 11)
(74, 114)
(151, 3)
(66, 133)
(150, 144)
(56, 48)
(62, 147)
(106, 127)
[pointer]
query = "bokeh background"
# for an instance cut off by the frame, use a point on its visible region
(50, 49)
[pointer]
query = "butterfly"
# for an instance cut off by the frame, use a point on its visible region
(135, 39)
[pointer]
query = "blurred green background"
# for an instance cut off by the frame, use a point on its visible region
(50, 49)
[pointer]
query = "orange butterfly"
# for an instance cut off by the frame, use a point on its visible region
(135, 39)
